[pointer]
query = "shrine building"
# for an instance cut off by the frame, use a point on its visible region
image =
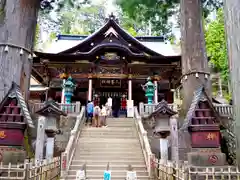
(108, 63)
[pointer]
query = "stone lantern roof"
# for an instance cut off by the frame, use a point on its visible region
(162, 109)
(52, 108)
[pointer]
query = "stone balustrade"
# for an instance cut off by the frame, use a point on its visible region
(223, 109)
(73, 108)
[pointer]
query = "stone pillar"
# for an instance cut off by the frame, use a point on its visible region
(156, 92)
(50, 148)
(90, 89)
(40, 139)
(63, 96)
(164, 148)
(141, 108)
(129, 89)
(78, 107)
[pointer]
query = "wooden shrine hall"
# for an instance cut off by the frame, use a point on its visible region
(108, 63)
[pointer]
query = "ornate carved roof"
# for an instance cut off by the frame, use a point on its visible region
(163, 108)
(14, 106)
(51, 108)
(201, 113)
(109, 38)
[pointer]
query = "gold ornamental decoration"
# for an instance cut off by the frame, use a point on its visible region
(64, 76)
(2, 135)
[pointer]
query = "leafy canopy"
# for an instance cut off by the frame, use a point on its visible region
(216, 45)
(159, 12)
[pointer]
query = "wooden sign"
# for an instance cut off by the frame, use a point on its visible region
(110, 83)
(205, 139)
(11, 137)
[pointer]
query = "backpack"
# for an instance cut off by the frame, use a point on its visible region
(96, 111)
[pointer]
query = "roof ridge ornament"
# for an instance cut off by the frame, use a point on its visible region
(113, 18)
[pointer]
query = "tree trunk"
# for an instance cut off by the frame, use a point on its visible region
(194, 58)
(232, 26)
(18, 20)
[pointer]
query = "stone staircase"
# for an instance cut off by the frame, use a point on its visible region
(118, 144)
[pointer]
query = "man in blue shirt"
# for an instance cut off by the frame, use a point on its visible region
(90, 108)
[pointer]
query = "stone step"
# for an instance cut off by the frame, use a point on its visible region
(109, 153)
(107, 140)
(112, 167)
(108, 130)
(71, 177)
(107, 158)
(112, 136)
(133, 162)
(111, 149)
(110, 146)
(114, 173)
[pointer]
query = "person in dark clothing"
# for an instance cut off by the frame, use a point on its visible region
(116, 107)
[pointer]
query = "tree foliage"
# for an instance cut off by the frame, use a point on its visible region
(158, 12)
(216, 45)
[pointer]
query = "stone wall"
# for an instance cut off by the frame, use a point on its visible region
(61, 140)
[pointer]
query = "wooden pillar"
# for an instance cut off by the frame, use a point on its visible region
(130, 89)
(156, 92)
(90, 90)
(194, 59)
(232, 26)
(63, 92)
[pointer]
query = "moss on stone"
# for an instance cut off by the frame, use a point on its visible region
(2, 10)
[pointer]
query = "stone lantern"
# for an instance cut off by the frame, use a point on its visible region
(69, 86)
(48, 124)
(149, 88)
(161, 126)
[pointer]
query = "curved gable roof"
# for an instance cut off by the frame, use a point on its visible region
(112, 27)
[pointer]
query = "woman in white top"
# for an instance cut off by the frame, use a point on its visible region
(104, 115)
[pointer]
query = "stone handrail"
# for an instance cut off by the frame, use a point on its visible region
(146, 148)
(67, 108)
(222, 109)
(67, 155)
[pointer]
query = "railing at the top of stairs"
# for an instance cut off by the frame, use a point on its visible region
(223, 109)
(146, 148)
(67, 155)
(67, 108)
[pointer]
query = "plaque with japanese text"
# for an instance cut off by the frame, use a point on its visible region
(205, 139)
(115, 83)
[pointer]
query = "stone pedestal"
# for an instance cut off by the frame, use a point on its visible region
(206, 157)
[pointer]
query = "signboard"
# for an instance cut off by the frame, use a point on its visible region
(130, 108)
(107, 175)
(12, 137)
(80, 175)
(131, 175)
(110, 83)
(205, 139)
